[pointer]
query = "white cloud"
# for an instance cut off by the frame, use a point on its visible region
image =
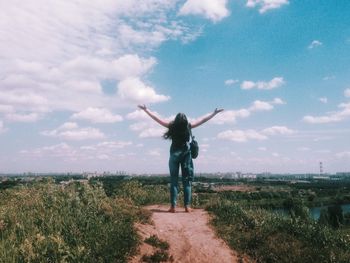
(215, 10)
(71, 131)
(274, 130)
(347, 93)
(230, 82)
(114, 144)
(6, 108)
(278, 101)
(314, 44)
(265, 5)
(272, 84)
(22, 117)
(336, 116)
(303, 149)
(342, 155)
(62, 150)
(231, 116)
(2, 128)
(68, 126)
(145, 126)
(97, 115)
(241, 136)
(329, 77)
(81, 46)
(259, 105)
(154, 152)
(135, 90)
(138, 115)
(148, 129)
(323, 100)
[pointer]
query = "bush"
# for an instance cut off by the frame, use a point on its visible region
(269, 237)
(75, 223)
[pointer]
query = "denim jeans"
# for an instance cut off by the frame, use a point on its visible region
(181, 158)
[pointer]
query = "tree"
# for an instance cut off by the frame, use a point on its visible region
(336, 217)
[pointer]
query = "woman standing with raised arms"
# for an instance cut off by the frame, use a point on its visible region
(180, 155)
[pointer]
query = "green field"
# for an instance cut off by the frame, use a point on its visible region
(52, 220)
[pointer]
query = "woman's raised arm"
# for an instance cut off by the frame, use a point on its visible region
(153, 116)
(206, 118)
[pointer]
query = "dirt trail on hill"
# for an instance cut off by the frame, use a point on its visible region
(190, 237)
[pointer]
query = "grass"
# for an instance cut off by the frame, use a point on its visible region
(161, 254)
(268, 237)
(76, 223)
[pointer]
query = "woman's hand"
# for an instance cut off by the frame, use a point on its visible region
(142, 107)
(216, 111)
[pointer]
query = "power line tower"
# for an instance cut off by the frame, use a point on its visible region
(321, 168)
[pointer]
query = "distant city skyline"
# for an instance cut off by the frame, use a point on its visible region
(72, 74)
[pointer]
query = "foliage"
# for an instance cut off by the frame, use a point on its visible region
(74, 223)
(142, 195)
(156, 242)
(269, 237)
(161, 254)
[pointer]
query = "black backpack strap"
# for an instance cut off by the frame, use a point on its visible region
(190, 130)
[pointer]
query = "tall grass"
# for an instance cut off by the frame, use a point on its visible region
(75, 223)
(269, 237)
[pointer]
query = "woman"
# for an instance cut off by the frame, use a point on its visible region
(180, 155)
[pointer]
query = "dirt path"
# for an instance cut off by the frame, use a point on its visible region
(190, 237)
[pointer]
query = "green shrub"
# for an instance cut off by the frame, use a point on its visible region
(269, 237)
(143, 195)
(75, 223)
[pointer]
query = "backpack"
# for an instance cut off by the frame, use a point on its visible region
(193, 146)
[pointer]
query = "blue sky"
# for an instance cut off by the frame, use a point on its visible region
(73, 72)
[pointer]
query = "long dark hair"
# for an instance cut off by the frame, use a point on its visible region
(178, 128)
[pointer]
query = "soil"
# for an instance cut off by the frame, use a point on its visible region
(189, 236)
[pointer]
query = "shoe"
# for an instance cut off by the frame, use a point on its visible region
(188, 209)
(171, 209)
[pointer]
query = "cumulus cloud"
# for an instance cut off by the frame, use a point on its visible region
(154, 152)
(250, 134)
(81, 46)
(278, 101)
(259, 105)
(145, 126)
(265, 5)
(347, 93)
(314, 44)
(323, 100)
(97, 115)
(215, 10)
(230, 82)
(22, 117)
(62, 150)
(71, 131)
(303, 149)
(2, 128)
(341, 155)
(329, 77)
(231, 116)
(277, 130)
(272, 84)
(335, 116)
(241, 136)
(135, 90)
(105, 150)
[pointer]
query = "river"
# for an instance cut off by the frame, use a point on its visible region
(315, 211)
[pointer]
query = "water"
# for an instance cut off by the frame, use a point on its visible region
(316, 211)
